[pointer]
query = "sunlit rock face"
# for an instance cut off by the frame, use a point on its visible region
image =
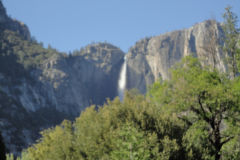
(151, 58)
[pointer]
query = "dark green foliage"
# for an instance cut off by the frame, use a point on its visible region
(231, 32)
(18, 56)
(207, 101)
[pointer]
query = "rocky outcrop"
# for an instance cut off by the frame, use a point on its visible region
(151, 58)
(77, 81)
(13, 24)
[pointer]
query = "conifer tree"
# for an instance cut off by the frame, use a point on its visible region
(231, 39)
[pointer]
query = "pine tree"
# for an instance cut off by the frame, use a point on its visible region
(231, 39)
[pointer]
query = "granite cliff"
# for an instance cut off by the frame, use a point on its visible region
(151, 58)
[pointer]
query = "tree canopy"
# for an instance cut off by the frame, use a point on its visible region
(208, 101)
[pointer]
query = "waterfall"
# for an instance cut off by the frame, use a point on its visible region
(122, 80)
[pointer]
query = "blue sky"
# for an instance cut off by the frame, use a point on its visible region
(71, 24)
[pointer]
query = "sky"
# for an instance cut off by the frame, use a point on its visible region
(69, 25)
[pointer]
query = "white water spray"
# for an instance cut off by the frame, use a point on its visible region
(122, 80)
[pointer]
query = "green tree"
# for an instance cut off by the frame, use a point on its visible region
(232, 150)
(206, 100)
(56, 144)
(130, 143)
(10, 157)
(231, 39)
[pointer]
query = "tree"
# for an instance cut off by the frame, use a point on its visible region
(130, 143)
(55, 144)
(206, 100)
(132, 127)
(231, 39)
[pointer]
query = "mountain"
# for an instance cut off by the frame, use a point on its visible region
(151, 58)
(12, 24)
(40, 87)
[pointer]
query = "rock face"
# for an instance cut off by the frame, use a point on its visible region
(59, 89)
(77, 81)
(151, 58)
(70, 83)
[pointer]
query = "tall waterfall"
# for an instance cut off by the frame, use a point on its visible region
(122, 79)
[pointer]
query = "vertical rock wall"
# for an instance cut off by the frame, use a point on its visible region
(151, 58)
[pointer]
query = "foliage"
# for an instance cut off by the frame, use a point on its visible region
(10, 157)
(207, 101)
(51, 147)
(231, 39)
(132, 129)
(23, 55)
(129, 143)
(101, 127)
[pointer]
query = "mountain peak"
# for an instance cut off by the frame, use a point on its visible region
(3, 15)
(8, 23)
